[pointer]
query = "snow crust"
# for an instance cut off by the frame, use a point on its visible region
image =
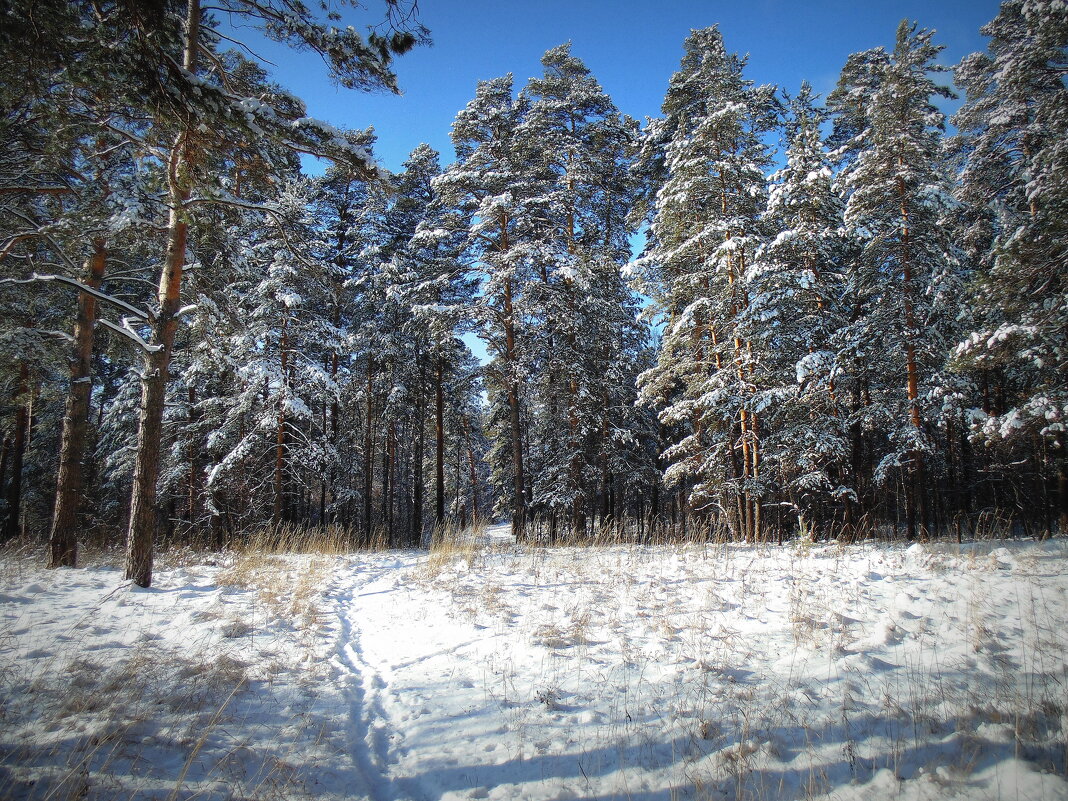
(490, 671)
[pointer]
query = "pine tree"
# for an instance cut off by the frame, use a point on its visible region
(705, 229)
(491, 186)
(438, 292)
(584, 314)
(204, 103)
(1014, 129)
(793, 316)
(902, 282)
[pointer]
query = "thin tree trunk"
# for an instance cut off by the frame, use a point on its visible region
(389, 462)
(280, 430)
(1062, 486)
(915, 503)
(473, 476)
(439, 439)
(368, 452)
(416, 535)
(18, 452)
(139, 541)
(63, 540)
(5, 453)
(191, 454)
(519, 483)
(578, 506)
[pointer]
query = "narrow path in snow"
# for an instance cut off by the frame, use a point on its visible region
(369, 732)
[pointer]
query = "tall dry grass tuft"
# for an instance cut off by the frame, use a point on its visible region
(279, 538)
(450, 543)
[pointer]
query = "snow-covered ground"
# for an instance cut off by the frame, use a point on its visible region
(670, 672)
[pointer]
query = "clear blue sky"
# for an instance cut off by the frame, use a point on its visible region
(631, 47)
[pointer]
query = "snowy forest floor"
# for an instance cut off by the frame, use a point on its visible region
(491, 671)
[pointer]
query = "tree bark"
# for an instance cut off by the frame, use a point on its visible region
(387, 483)
(518, 480)
(18, 452)
(280, 431)
(473, 476)
(1062, 486)
(139, 540)
(191, 454)
(63, 540)
(416, 535)
(368, 451)
(439, 434)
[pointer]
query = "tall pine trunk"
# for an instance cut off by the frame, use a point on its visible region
(18, 453)
(280, 430)
(439, 440)
(1062, 485)
(515, 423)
(472, 475)
(368, 451)
(916, 502)
(139, 540)
(63, 540)
(416, 534)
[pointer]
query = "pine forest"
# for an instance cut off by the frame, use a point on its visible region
(842, 321)
(719, 454)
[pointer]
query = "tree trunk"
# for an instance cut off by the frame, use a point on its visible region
(915, 503)
(5, 453)
(416, 535)
(473, 476)
(18, 453)
(389, 458)
(139, 540)
(439, 434)
(368, 452)
(518, 480)
(63, 540)
(280, 429)
(1062, 486)
(191, 454)
(578, 505)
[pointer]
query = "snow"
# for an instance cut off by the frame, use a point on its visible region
(491, 671)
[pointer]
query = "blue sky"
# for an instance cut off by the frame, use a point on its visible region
(631, 47)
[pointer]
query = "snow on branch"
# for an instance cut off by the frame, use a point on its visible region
(127, 331)
(140, 315)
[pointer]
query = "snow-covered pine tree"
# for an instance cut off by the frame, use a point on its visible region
(69, 190)
(581, 146)
(794, 312)
(709, 157)
(900, 286)
(1014, 131)
(347, 210)
(254, 371)
(198, 113)
(438, 292)
(491, 186)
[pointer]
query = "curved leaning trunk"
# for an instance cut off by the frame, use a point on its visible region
(63, 541)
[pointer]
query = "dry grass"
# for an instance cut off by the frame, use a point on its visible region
(450, 544)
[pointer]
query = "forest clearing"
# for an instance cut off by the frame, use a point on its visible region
(486, 670)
